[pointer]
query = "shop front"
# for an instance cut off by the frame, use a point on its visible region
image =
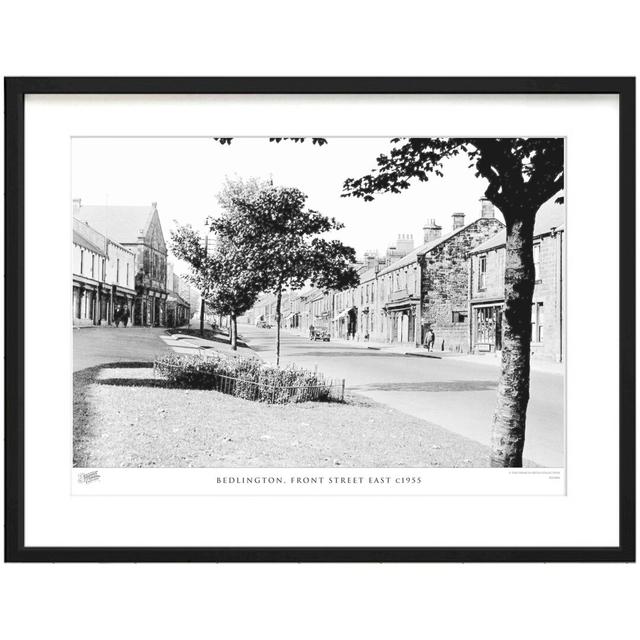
(487, 327)
(401, 322)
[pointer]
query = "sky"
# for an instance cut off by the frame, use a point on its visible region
(184, 175)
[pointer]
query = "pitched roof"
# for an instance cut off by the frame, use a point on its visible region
(412, 256)
(367, 275)
(122, 223)
(79, 239)
(550, 215)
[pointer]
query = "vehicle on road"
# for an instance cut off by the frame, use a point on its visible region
(263, 325)
(320, 334)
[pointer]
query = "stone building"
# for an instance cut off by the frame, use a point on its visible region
(103, 276)
(417, 288)
(354, 309)
(445, 279)
(138, 230)
(486, 288)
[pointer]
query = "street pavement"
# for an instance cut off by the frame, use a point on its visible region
(93, 346)
(454, 393)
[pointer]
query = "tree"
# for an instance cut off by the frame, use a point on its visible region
(523, 173)
(187, 244)
(279, 241)
(227, 286)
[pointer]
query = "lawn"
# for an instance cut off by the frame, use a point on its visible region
(124, 417)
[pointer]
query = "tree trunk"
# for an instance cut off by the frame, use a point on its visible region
(233, 332)
(202, 305)
(234, 344)
(278, 305)
(507, 437)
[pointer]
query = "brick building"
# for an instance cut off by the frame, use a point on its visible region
(138, 230)
(486, 288)
(103, 276)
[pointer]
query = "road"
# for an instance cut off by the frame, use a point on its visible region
(93, 346)
(457, 395)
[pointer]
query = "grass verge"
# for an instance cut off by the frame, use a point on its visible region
(124, 417)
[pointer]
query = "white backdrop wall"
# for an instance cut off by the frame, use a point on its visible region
(293, 38)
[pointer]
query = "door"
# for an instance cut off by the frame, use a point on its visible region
(404, 330)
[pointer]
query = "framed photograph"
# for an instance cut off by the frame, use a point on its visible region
(320, 319)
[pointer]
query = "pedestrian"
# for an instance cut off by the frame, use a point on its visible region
(116, 316)
(429, 339)
(125, 317)
(311, 331)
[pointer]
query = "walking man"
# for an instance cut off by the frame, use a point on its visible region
(429, 339)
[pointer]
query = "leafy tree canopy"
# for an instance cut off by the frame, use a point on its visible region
(275, 233)
(227, 286)
(520, 171)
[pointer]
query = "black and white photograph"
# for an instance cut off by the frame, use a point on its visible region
(318, 302)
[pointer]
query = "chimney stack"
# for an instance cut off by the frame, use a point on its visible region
(431, 230)
(458, 220)
(487, 208)
(154, 205)
(404, 243)
(370, 259)
(77, 203)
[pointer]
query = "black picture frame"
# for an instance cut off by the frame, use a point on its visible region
(15, 91)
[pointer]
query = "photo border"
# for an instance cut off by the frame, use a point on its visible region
(15, 91)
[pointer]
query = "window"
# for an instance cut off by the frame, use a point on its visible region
(537, 322)
(93, 265)
(536, 262)
(482, 273)
(118, 271)
(127, 274)
(459, 316)
(81, 261)
(104, 269)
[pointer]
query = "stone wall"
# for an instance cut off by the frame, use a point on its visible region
(445, 285)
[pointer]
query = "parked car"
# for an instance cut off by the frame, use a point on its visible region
(261, 324)
(321, 334)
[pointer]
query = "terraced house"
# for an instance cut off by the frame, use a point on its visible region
(139, 231)
(486, 288)
(425, 287)
(103, 272)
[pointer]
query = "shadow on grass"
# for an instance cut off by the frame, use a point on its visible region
(212, 336)
(157, 383)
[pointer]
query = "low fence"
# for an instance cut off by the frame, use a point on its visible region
(327, 389)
